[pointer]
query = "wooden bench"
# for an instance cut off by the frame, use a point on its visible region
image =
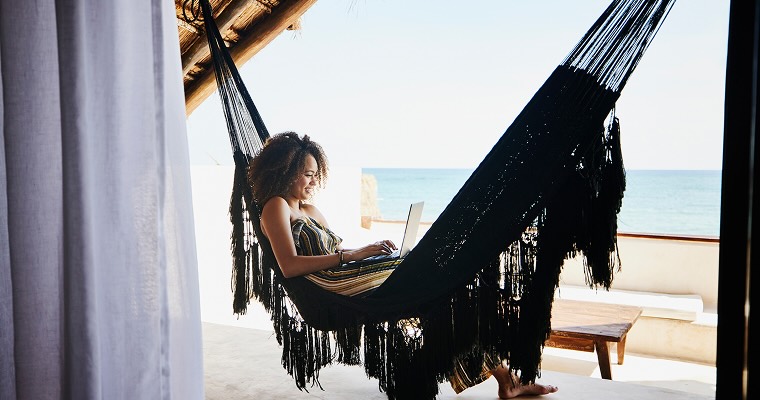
(590, 326)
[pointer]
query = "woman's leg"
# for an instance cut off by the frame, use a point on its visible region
(510, 386)
(509, 383)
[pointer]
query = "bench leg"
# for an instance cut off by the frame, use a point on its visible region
(621, 350)
(603, 355)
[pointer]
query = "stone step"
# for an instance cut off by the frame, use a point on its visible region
(687, 307)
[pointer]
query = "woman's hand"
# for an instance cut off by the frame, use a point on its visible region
(383, 247)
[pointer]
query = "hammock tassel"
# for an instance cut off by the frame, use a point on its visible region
(244, 253)
(602, 258)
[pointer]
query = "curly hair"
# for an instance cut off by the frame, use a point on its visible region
(280, 162)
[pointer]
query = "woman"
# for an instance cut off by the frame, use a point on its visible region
(284, 176)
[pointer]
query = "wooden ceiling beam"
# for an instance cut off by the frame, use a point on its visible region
(260, 35)
(224, 21)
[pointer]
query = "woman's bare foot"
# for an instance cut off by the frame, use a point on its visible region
(510, 386)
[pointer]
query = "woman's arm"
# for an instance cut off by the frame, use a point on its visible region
(385, 246)
(275, 222)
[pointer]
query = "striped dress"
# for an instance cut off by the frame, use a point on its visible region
(350, 279)
(356, 279)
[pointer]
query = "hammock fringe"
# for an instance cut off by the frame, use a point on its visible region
(244, 249)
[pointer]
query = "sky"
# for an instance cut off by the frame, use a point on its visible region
(434, 84)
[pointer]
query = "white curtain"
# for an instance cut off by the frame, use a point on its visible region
(98, 272)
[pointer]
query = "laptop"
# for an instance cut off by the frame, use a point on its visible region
(410, 236)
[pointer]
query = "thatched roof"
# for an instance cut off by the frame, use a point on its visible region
(246, 25)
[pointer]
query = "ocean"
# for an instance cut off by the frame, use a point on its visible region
(676, 202)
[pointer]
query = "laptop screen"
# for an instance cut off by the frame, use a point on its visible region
(412, 227)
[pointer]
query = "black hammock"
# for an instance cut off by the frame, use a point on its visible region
(483, 277)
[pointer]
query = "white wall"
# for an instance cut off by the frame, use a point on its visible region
(661, 266)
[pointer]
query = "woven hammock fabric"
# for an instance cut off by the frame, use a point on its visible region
(482, 279)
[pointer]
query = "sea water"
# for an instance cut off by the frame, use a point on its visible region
(676, 202)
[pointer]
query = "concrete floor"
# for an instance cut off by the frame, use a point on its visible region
(244, 363)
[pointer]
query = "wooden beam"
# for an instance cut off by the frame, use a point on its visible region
(224, 20)
(260, 35)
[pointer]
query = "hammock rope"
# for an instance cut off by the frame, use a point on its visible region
(482, 279)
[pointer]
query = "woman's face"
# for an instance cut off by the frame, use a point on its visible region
(306, 181)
